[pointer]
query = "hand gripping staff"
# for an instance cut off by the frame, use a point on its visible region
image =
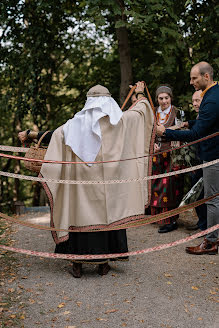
(131, 92)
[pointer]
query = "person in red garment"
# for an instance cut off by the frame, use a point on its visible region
(166, 193)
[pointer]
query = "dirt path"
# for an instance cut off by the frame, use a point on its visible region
(169, 288)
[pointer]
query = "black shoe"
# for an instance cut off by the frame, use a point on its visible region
(76, 270)
(192, 227)
(103, 269)
(168, 227)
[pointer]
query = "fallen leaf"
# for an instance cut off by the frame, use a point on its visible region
(12, 316)
(21, 287)
(213, 292)
(78, 304)
(11, 280)
(195, 288)
(168, 275)
(111, 311)
(66, 298)
(22, 317)
(31, 301)
(200, 318)
(66, 312)
(169, 283)
(127, 301)
(101, 319)
(61, 305)
(214, 299)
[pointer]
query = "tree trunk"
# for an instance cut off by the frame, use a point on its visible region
(36, 193)
(124, 56)
(17, 166)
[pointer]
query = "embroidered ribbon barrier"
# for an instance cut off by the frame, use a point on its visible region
(99, 162)
(90, 182)
(131, 222)
(135, 221)
(14, 149)
(101, 256)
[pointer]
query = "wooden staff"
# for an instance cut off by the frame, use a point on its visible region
(131, 92)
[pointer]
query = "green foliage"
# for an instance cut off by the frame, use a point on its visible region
(184, 157)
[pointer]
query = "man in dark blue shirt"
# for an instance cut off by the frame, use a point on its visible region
(201, 77)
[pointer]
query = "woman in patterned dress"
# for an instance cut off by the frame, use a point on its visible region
(166, 192)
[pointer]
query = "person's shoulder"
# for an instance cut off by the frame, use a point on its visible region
(58, 131)
(141, 104)
(212, 95)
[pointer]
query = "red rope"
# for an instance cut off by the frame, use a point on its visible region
(112, 161)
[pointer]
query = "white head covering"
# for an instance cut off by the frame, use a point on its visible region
(82, 133)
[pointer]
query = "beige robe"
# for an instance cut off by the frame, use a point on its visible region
(102, 204)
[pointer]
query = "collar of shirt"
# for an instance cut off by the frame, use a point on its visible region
(204, 92)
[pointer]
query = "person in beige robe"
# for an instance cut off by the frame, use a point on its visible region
(79, 206)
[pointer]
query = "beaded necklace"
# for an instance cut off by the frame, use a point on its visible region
(163, 121)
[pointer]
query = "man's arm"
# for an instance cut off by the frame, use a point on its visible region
(185, 135)
(28, 134)
(201, 128)
(191, 123)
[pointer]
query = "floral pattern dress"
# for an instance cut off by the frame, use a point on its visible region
(166, 193)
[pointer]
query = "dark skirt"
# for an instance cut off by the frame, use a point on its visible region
(166, 193)
(101, 242)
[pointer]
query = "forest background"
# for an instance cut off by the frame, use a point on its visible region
(53, 51)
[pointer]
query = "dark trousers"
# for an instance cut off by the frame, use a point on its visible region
(202, 209)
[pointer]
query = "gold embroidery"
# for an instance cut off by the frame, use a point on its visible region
(204, 92)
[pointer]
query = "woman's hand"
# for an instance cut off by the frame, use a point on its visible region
(156, 147)
(22, 136)
(139, 87)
